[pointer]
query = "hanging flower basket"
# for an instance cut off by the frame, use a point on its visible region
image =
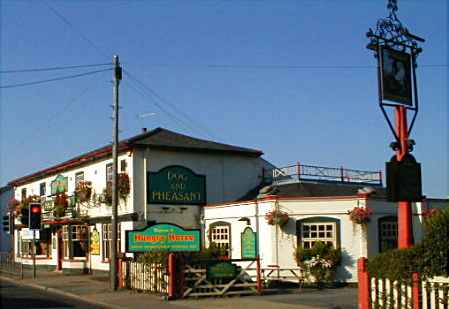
(360, 215)
(14, 205)
(83, 191)
(430, 212)
(106, 197)
(60, 205)
(123, 185)
(276, 217)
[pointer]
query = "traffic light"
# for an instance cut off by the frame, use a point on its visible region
(7, 223)
(24, 216)
(35, 216)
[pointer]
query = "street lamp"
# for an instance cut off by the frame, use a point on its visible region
(396, 51)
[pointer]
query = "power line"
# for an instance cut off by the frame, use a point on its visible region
(66, 21)
(52, 79)
(69, 67)
(165, 101)
(160, 107)
(273, 66)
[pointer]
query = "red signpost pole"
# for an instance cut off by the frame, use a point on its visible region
(405, 239)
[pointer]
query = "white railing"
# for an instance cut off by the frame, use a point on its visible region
(434, 294)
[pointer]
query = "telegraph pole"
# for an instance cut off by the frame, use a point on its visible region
(115, 96)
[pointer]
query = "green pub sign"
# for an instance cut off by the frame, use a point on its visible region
(176, 185)
(221, 270)
(59, 185)
(163, 237)
(249, 249)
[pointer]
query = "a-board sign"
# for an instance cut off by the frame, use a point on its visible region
(176, 184)
(95, 242)
(163, 237)
(221, 270)
(249, 250)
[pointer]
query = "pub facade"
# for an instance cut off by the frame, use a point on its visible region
(163, 176)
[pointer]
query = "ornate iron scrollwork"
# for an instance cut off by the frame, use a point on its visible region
(391, 33)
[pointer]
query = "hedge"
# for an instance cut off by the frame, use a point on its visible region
(429, 258)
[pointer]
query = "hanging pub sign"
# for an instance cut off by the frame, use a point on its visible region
(60, 184)
(404, 180)
(249, 250)
(163, 237)
(396, 81)
(176, 185)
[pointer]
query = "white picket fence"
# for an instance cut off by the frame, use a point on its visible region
(434, 294)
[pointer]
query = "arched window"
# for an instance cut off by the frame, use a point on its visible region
(324, 229)
(388, 233)
(220, 236)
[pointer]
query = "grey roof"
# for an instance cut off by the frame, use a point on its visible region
(315, 189)
(163, 138)
(158, 138)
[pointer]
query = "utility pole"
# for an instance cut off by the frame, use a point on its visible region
(115, 97)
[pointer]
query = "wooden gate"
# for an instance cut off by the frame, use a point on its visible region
(220, 278)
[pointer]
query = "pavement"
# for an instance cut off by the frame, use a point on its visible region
(95, 290)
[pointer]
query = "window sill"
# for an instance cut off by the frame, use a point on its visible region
(29, 257)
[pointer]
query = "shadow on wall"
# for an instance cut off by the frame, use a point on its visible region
(347, 261)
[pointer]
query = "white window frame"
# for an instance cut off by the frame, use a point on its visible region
(314, 231)
(220, 235)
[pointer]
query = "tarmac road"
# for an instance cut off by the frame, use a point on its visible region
(15, 296)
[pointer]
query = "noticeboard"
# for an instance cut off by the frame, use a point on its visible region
(163, 237)
(248, 245)
(221, 270)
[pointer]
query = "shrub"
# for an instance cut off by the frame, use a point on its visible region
(320, 261)
(429, 258)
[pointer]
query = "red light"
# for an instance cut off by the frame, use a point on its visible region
(35, 209)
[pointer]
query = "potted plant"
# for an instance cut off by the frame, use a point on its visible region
(83, 191)
(360, 215)
(60, 204)
(276, 217)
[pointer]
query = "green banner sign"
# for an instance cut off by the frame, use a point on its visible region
(221, 270)
(60, 184)
(249, 249)
(176, 185)
(163, 237)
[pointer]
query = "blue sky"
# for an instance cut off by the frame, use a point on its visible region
(280, 92)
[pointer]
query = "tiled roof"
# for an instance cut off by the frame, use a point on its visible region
(163, 138)
(159, 138)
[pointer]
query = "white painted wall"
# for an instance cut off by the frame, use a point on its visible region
(352, 243)
(228, 177)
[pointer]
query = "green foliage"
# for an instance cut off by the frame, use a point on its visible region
(320, 261)
(396, 264)
(159, 257)
(436, 244)
(429, 258)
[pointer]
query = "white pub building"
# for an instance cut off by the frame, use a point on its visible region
(226, 191)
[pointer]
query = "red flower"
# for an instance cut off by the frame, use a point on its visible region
(430, 212)
(360, 215)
